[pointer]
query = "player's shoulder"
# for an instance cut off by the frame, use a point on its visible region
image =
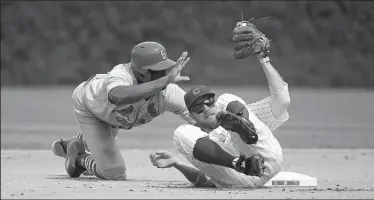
(123, 71)
(172, 86)
(225, 99)
(122, 68)
(187, 128)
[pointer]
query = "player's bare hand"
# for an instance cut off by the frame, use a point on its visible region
(174, 74)
(163, 159)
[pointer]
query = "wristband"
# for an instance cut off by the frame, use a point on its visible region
(234, 162)
(264, 60)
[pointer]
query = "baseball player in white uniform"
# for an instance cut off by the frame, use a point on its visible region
(128, 96)
(215, 151)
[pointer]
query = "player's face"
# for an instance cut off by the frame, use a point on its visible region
(158, 74)
(150, 75)
(205, 112)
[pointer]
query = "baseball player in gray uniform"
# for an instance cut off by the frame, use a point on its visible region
(130, 95)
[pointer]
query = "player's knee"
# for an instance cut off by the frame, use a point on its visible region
(117, 172)
(185, 137)
(187, 133)
(113, 166)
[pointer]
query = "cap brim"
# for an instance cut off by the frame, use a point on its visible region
(200, 99)
(161, 65)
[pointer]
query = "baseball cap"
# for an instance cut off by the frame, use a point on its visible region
(195, 93)
(150, 55)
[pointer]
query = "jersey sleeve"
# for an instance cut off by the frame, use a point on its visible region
(203, 181)
(174, 102)
(272, 110)
(119, 75)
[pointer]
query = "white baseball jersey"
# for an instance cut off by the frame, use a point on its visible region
(94, 95)
(266, 115)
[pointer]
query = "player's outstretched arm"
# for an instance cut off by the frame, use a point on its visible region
(248, 40)
(279, 94)
(272, 110)
(194, 175)
(174, 102)
(123, 95)
(164, 159)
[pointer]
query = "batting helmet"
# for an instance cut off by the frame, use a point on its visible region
(150, 61)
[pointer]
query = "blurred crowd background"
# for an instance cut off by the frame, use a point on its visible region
(314, 43)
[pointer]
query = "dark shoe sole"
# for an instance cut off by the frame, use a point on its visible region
(58, 148)
(237, 124)
(73, 151)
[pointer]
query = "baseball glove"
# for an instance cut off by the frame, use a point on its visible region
(238, 124)
(248, 40)
(252, 166)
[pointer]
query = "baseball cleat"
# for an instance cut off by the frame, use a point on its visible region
(59, 149)
(239, 125)
(59, 146)
(74, 148)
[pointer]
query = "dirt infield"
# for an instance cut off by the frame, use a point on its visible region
(39, 174)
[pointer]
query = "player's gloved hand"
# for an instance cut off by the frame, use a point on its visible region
(252, 166)
(248, 40)
(174, 73)
(162, 159)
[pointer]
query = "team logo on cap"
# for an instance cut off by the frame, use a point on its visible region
(163, 54)
(195, 91)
